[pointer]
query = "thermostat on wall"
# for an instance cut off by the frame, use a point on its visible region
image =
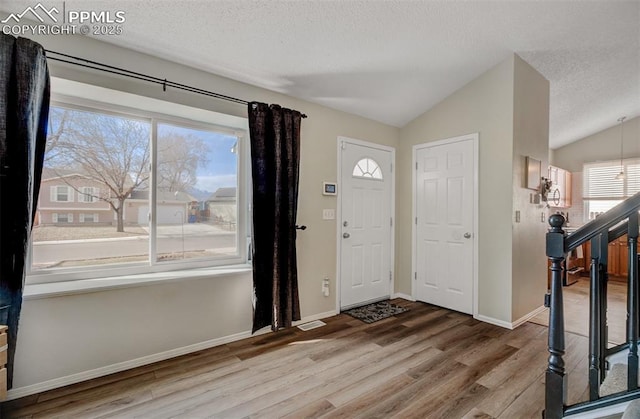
(329, 188)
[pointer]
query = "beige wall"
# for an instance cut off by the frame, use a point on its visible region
(509, 107)
(601, 146)
(90, 331)
(485, 106)
(530, 138)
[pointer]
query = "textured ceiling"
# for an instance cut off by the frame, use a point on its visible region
(393, 60)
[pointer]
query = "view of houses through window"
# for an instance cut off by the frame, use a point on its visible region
(96, 206)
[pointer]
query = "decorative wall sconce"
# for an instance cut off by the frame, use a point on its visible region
(545, 188)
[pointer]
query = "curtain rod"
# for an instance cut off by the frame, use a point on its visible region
(83, 62)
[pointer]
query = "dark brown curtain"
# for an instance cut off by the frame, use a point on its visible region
(275, 161)
(24, 110)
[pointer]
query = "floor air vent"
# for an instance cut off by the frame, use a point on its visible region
(311, 325)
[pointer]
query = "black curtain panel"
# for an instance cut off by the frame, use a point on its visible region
(275, 162)
(24, 109)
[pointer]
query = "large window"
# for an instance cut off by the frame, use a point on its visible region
(154, 193)
(603, 191)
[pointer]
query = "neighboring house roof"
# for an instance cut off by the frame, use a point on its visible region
(223, 194)
(49, 173)
(163, 196)
(53, 173)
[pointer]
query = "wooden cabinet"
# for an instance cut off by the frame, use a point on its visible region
(618, 260)
(560, 194)
(567, 189)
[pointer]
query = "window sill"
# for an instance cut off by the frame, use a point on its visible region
(83, 286)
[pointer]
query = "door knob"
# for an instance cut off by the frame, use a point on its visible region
(346, 235)
(467, 235)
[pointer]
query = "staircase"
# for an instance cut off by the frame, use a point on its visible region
(618, 389)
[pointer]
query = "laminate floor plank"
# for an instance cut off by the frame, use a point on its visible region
(380, 378)
(426, 363)
(338, 381)
(458, 392)
(518, 381)
(365, 399)
(429, 381)
(576, 313)
(311, 411)
(477, 414)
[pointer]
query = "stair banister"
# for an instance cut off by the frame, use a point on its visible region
(620, 212)
(556, 388)
(632, 303)
(618, 231)
(620, 220)
(595, 321)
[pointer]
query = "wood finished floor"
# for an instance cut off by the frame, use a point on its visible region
(425, 363)
(576, 303)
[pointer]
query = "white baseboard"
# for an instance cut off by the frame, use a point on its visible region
(16, 393)
(527, 316)
(491, 320)
(19, 392)
(313, 317)
(403, 296)
(506, 324)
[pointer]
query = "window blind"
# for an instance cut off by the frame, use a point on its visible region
(600, 181)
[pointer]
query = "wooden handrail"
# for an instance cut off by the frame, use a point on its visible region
(604, 222)
(618, 231)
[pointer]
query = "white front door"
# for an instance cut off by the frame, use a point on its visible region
(444, 225)
(365, 224)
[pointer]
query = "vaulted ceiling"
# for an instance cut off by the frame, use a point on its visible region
(392, 60)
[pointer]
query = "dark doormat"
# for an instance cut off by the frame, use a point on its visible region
(376, 311)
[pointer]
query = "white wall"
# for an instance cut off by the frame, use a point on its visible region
(69, 335)
(485, 106)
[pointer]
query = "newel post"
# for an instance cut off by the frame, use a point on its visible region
(555, 386)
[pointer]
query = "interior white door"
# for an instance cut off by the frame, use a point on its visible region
(444, 224)
(366, 202)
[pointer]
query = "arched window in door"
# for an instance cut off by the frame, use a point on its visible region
(367, 168)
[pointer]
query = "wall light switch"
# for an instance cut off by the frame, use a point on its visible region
(329, 214)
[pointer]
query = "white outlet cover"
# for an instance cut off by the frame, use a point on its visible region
(329, 214)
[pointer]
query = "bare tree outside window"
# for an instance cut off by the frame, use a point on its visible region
(95, 209)
(179, 157)
(112, 150)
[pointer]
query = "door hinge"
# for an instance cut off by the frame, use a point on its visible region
(391, 221)
(416, 165)
(343, 146)
(391, 167)
(415, 275)
(390, 276)
(416, 220)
